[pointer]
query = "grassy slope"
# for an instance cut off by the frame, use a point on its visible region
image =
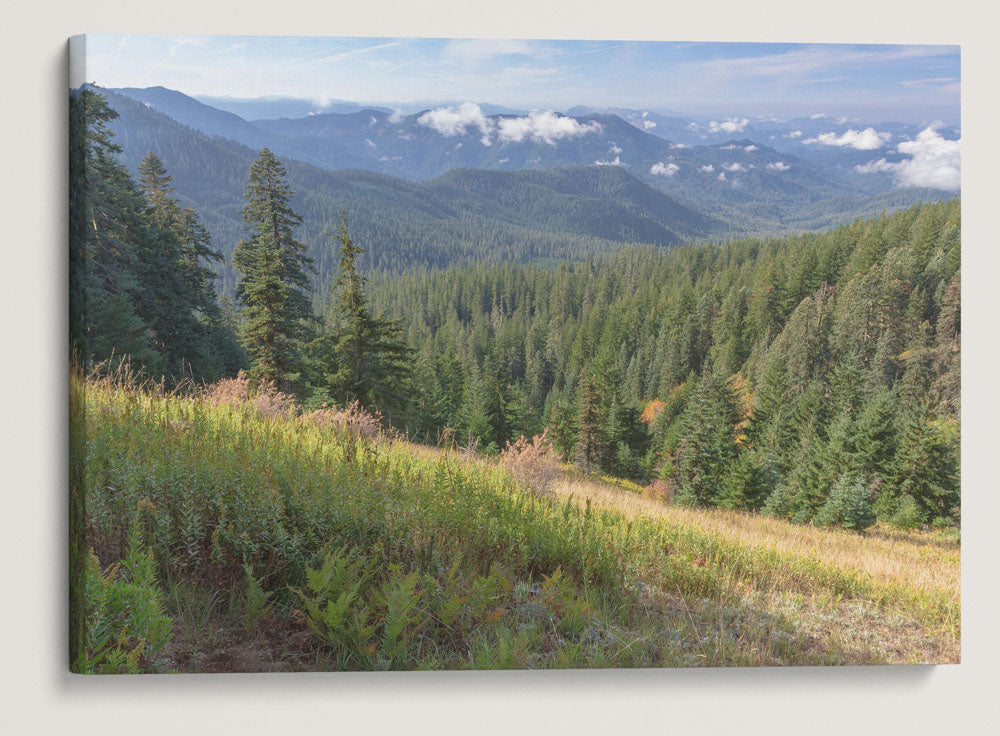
(459, 566)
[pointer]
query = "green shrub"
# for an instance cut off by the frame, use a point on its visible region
(779, 502)
(849, 505)
(907, 515)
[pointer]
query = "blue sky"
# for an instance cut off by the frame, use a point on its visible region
(877, 83)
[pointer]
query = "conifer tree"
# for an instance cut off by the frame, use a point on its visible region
(474, 421)
(106, 230)
(590, 445)
(707, 446)
(927, 465)
(184, 312)
(367, 359)
(274, 283)
(564, 428)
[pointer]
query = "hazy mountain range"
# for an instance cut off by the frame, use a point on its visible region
(442, 177)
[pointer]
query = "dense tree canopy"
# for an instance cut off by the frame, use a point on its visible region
(141, 286)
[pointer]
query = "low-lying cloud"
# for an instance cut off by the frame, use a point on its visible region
(732, 125)
(661, 169)
(544, 127)
(449, 121)
(863, 140)
(934, 162)
(778, 166)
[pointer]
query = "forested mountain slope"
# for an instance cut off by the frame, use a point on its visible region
(464, 217)
(760, 373)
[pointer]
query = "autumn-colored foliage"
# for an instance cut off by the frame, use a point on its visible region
(651, 411)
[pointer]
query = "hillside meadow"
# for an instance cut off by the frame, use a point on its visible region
(232, 532)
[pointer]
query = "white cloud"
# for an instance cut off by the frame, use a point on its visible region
(504, 160)
(749, 148)
(458, 145)
(722, 176)
(930, 82)
(616, 162)
(735, 166)
(732, 125)
(818, 116)
(794, 134)
(546, 127)
(396, 116)
(934, 162)
(372, 121)
(614, 148)
(368, 142)
(872, 166)
(664, 169)
(647, 124)
(707, 168)
(864, 140)
(730, 147)
(779, 166)
(475, 51)
(678, 145)
(449, 121)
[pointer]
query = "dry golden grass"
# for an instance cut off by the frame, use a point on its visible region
(917, 560)
(920, 573)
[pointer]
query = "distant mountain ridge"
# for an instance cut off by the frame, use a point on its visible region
(760, 183)
(463, 216)
(420, 197)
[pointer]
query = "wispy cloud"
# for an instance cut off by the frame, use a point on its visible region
(341, 55)
(121, 47)
(477, 51)
(801, 62)
(180, 43)
(929, 82)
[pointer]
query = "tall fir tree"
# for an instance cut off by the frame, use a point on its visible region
(274, 283)
(366, 358)
(187, 315)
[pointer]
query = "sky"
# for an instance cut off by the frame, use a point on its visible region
(915, 84)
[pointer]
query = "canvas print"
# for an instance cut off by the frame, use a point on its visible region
(416, 353)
